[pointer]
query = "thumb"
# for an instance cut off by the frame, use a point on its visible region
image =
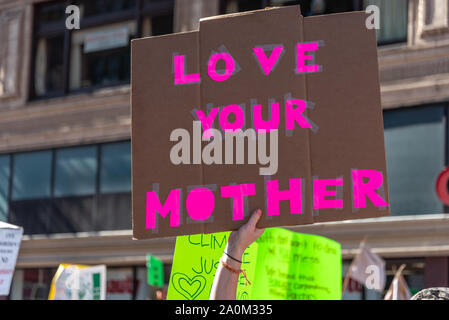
(252, 222)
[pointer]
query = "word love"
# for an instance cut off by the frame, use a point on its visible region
(200, 202)
(266, 63)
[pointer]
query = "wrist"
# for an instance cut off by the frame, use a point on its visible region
(234, 251)
(231, 262)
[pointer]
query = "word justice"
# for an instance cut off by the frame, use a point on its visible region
(200, 202)
(267, 64)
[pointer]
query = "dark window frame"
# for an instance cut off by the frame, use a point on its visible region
(142, 10)
(52, 198)
(357, 5)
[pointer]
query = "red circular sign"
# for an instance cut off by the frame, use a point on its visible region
(442, 186)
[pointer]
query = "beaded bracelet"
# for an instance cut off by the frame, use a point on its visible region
(227, 266)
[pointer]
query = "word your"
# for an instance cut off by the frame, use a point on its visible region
(200, 202)
(267, 64)
(212, 152)
(73, 20)
(293, 114)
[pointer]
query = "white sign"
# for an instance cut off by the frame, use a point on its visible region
(76, 282)
(10, 238)
(106, 39)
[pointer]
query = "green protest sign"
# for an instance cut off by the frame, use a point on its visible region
(296, 266)
(281, 265)
(195, 261)
(155, 269)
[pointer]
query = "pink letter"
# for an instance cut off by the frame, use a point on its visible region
(361, 189)
(237, 192)
(200, 203)
(269, 125)
(239, 118)
(267, 64)
(274, 196)
(154, 205)
(301, 48)
(229, 62)
(180, 76)
(293, 115)
(320, 192)
(207, 122)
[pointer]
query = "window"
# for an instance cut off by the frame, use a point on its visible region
(120, 283)
(115, 167)
(31, 284)
(89, 8)
(393, 14)
(75, 171)
(31, 190)
(414, 145)
(232, 6)
(31, 177)
(75, 189)
(49, 65)
(4, 186)
(98, 54)
(115, 187)
(51, 13)
(308, 7)
(75, 176)
(393, 20)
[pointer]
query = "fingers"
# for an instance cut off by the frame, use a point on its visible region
(259, 232)
(252, 222)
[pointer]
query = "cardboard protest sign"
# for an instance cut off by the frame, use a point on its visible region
(281, 265)
(10, 238)
(262, 109)
(78, 282)
(155, 271)
(195, 261)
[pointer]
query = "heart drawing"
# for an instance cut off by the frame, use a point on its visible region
(190, 288)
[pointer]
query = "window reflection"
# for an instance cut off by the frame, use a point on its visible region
(115, 166)
(4, 186)
(101, 56)
(31, 177)
(98, 54)
(75, 171)
(48, 76)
